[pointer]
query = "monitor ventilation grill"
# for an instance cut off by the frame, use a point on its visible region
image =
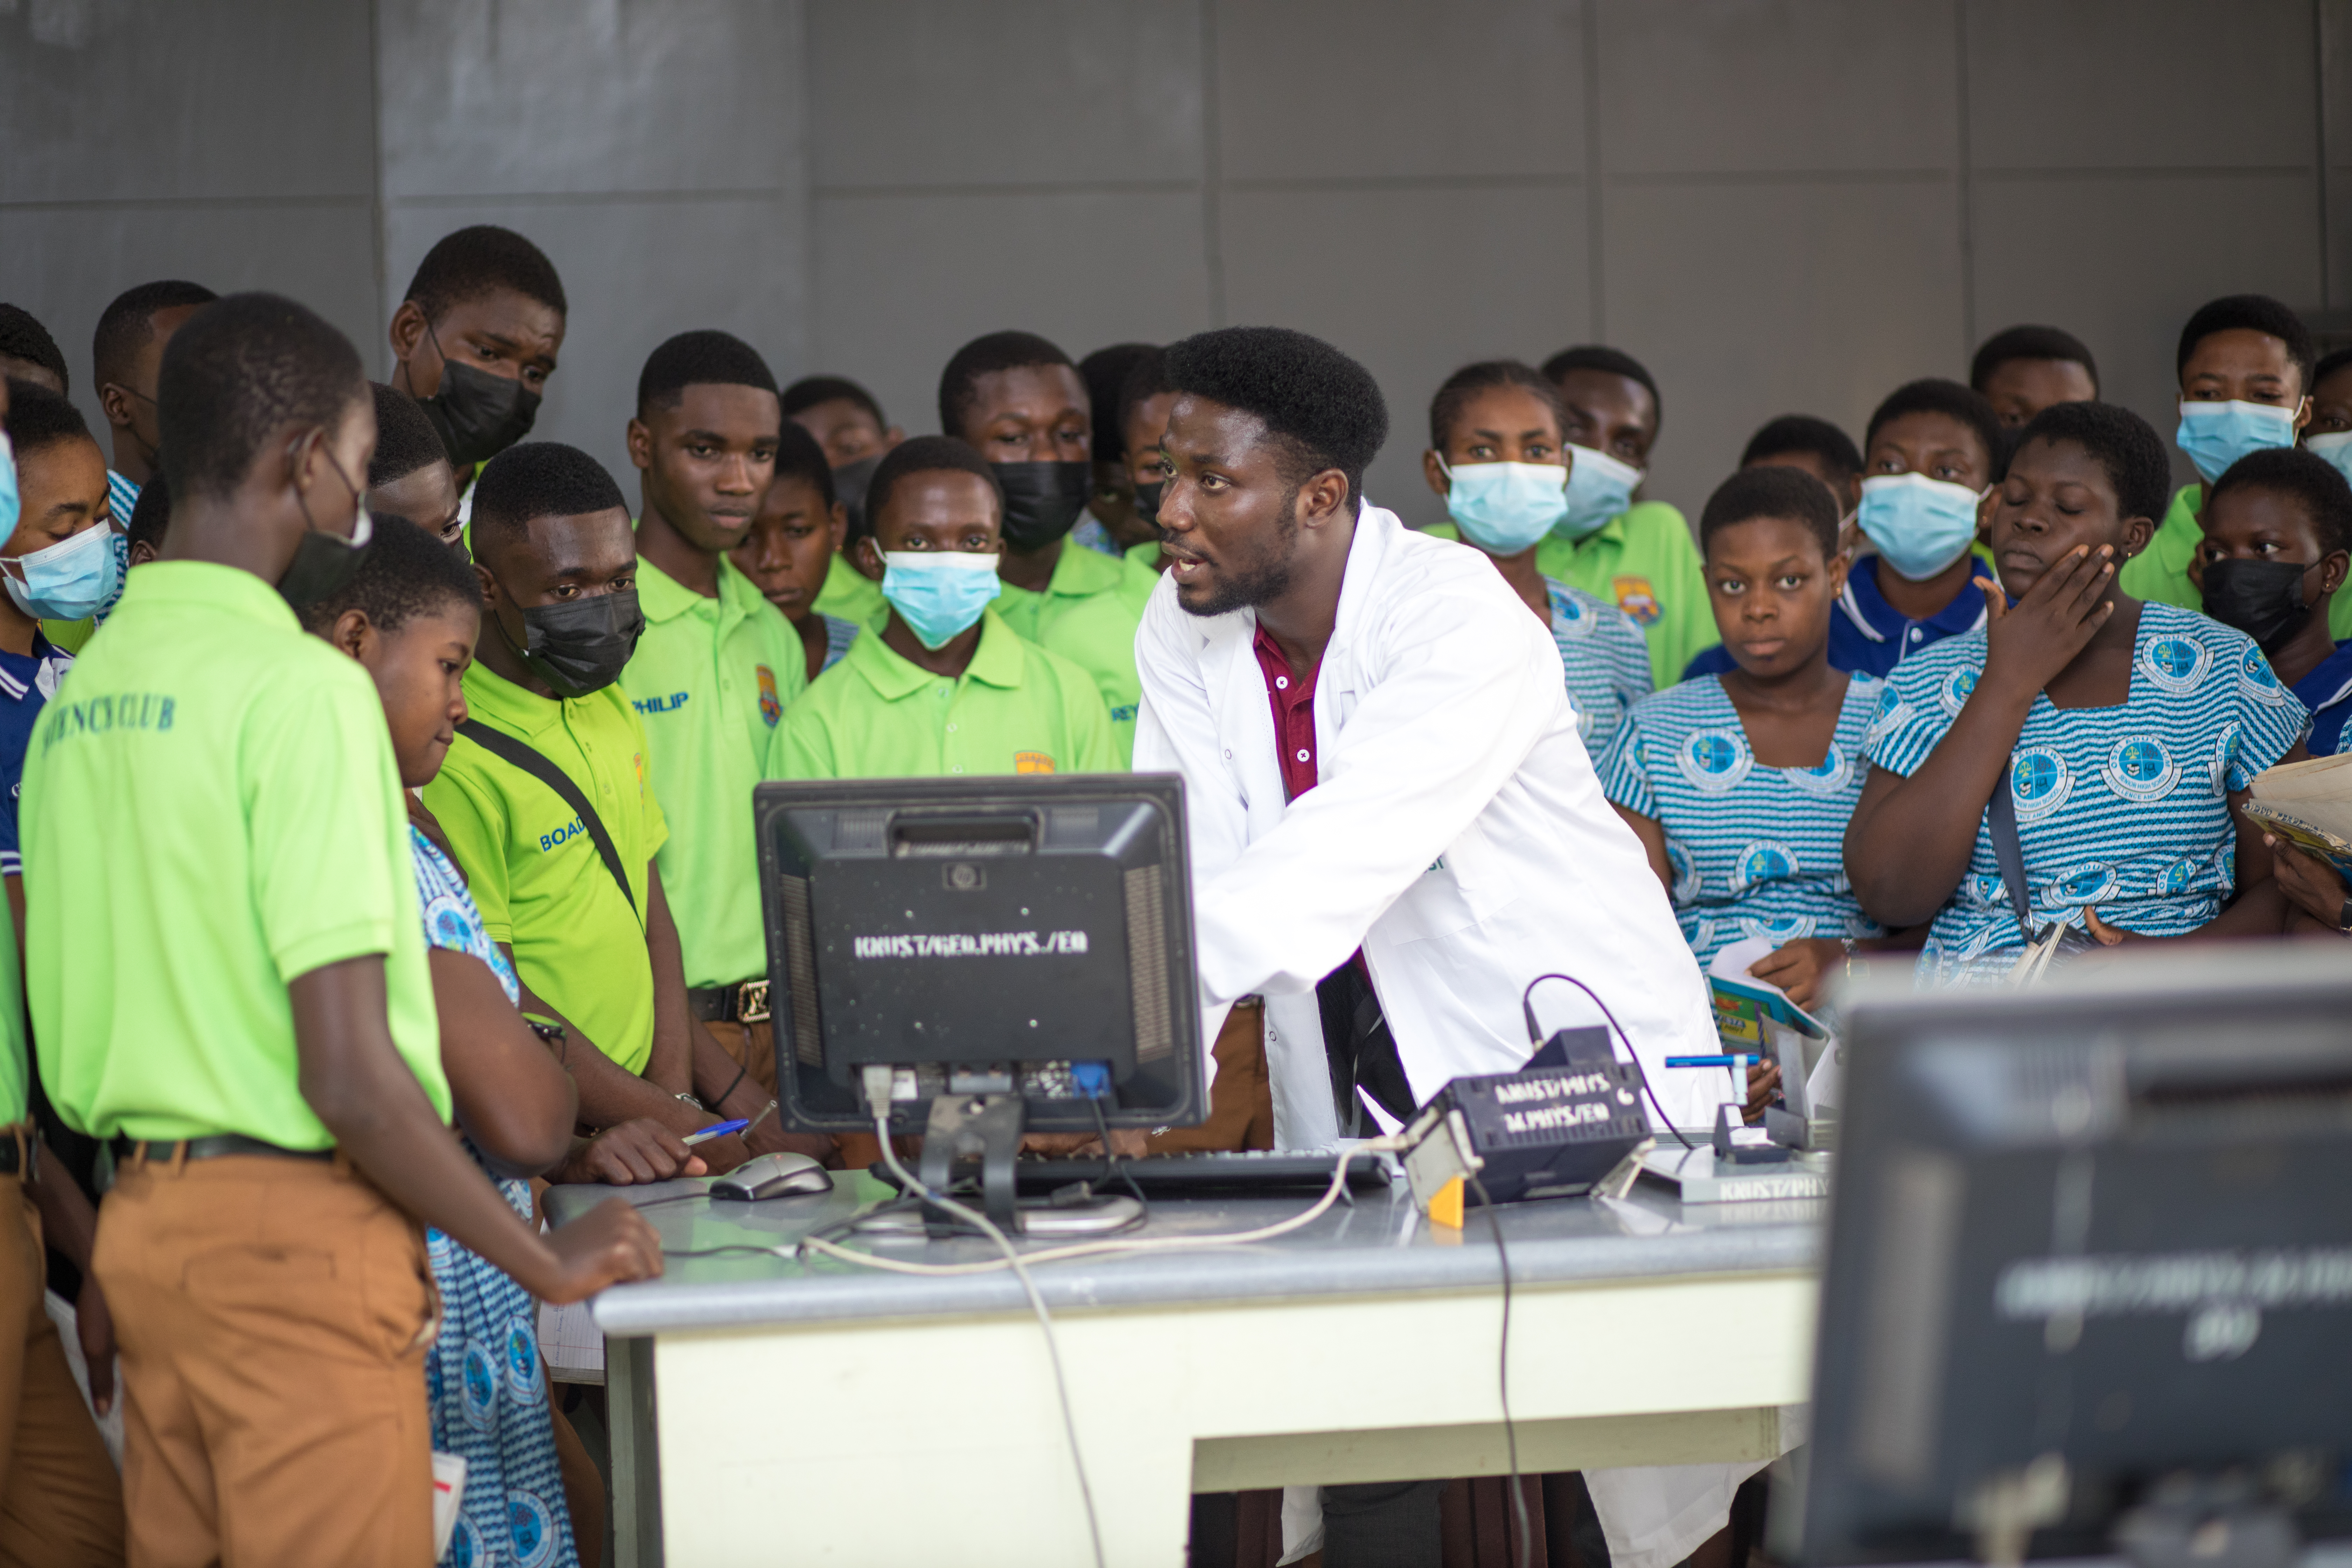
(800, 959)
(859, 829)
(1146, 936)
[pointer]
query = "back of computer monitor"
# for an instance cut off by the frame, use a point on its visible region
(1021, 935)
(2086, 1239)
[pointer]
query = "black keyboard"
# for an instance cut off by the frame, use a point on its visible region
(1187, 1175)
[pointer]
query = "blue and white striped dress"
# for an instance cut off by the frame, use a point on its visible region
(2122, 809)
(1607, 659)
(1755, 851)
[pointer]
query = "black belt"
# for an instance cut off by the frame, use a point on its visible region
(162, 1151)
(14, 1147)
(746, 1002)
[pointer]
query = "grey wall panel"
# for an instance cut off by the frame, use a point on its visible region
(1414, 283)
(945, 92)
(1399, 88)
(1711, 86)
(903, 281)
(1748, 300)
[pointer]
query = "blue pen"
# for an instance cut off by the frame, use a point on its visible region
(1734, 1061)
(718, 1130)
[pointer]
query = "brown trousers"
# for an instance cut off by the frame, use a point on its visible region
(60, 1501)
(754, 1047)
(1241, 1103)
(273, 1315)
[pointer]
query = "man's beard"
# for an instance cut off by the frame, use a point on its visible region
(1265, 578)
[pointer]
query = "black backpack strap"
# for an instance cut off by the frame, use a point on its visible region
(2000, 817)
(506, 748)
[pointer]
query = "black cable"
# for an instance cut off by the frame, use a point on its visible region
(1113, 1168)
(673, 1199)
(1527, 1006)
(1503, 1370)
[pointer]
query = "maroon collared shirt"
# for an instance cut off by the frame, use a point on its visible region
(1293, 701)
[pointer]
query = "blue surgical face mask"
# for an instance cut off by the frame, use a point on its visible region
(68, 580)
(1920, 525)
(2216, 434)
(1599, 488)
(1506, 508)
(2335, 446)
(9, 505)
(939, 593)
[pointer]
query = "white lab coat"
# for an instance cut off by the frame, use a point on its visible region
(1457, 834)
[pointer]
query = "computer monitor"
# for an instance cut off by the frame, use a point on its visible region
(1021, 938)
(2090, 1264)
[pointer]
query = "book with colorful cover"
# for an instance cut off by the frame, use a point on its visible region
(1741, 1010)
(2304, 835)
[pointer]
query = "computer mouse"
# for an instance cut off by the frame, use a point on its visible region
(772, 1176)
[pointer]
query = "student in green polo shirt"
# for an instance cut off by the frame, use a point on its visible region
(591, 936)
(2244, 364)
(716, 667)
(1638, 555)
(1019, 402)
(944, 687)
(228, 975)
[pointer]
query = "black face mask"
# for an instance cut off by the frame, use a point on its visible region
(324, 563)
(477, 415)
(1147, 499)
(580, 646)
(1042, 502)
(2263, 599)
(849, 482)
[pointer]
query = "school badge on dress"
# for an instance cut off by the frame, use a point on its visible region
(772, 707)
(2040, 780)
(1637, 598)
(2177, 665)
(1715, 761)
(2141, 769)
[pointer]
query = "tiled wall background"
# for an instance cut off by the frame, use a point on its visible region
(1779, 205)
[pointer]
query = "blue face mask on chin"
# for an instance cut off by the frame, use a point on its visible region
(1600, 487)
(1506, 508)
(69, 580)
(11, 508)
(939, 593)
(1919, 525)
(2216, 434)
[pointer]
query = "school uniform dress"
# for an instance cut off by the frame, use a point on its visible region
(2122, 809)
(1087, 614)
(1755, 851)
(2328, 692)
(839, 633)
(1604, 657)
(483, 1376)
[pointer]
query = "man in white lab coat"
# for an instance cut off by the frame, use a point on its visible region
(1396, 828)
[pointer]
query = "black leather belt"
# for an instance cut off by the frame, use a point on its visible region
(160, 1152)
(743, 1003)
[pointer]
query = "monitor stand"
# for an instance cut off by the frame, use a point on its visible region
(988, 1126)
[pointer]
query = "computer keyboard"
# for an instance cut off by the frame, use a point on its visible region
(1187, 1175)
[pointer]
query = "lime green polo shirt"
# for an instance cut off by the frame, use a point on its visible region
(1088, 613)
(1644, 561)
(2161, 570)
(849, 594)
(1146, 554)
(15, 1097)
(710, 680)
(1016, 709)
(541, 886)
(211, 810)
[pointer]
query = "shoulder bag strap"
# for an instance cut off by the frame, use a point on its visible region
(506, 748)
(2000, 816)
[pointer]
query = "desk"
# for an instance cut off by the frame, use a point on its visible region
(828, 1414)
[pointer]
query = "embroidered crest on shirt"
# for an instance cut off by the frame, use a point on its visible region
(1687, 875)
(2141, 769)
(772, 707)
(2082, 885)
(1780, 930)
(2040, 780)
(1570, 618)
(1715, 760)
(1637, 598)
(2261, 681)
(1829, 776)
(1888, 717)
(1953, 694)
(2177, 665)
(2224, 763)
(1764, 863)
(1032, 763)
(2176, 877)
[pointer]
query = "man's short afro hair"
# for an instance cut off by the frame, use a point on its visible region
(1805, 434)
(926, 455)
(241, 371)
(406, 440)
(705, 358)
(480, 261)
(1322, 406)
(150, 514)
(2303, 477)
(798, 456)
(811, 390)
(39, 417)
(1146, 378)
(985, 356)
(1772, 491)
(128, 325)
(540, 478)
(407, 571)
(23, 336)
(1445, 408)
(2250, 312)
(1934, 395)
(1608, 362)
(2328, 366)
(1104, 372)
(2032, 342)
(2122, 443)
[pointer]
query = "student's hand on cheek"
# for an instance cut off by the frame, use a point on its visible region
(94, 1326)
(2028, 644)
(1801, 967)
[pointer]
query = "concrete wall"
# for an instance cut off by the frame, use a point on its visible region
(1790, 205)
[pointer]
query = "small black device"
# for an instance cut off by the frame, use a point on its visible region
(1560, 1126)
(2089, 1282)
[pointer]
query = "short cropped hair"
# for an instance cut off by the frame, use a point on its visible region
(128, 325)
(1322, 408)
(1774, 490)
(2032, 342)
(540, 478)
(1814, 437)
(705, 358)
(406, 440)
(39, 417)
(1104, 372)
(150, 514)
(1146, 378)
(2303, 477)
(407, 571)
(811, 390)
(242, 370)
(23, 336)
(926, 455)
(1445, 408)
(2250, 312)
(1934, 395)
(2120, 442)
(1610, 362)
(798, 456)
(481, 261)
(959, 384)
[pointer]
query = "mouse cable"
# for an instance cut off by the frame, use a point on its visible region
(1503, 1371)
(1113, 1166)
(1527, 1006)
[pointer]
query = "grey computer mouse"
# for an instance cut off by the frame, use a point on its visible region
(772, 1176)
